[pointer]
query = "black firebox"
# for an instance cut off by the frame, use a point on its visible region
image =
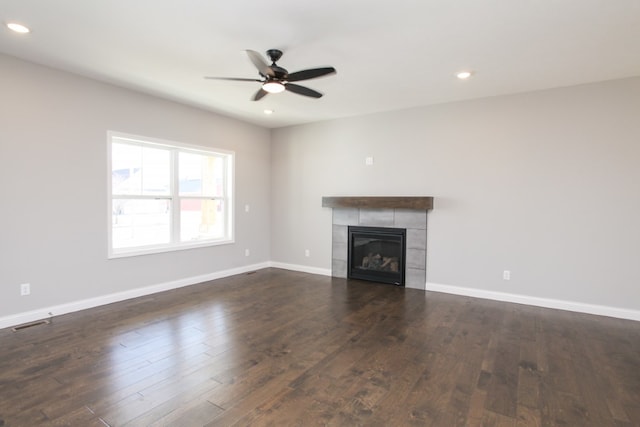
(377, 254)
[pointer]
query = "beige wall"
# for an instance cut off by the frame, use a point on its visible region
(53, 149)
(543, 184)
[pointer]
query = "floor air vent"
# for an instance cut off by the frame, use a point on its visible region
(29, 325)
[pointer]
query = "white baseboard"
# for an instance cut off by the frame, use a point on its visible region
(601, 310)
(43, 313)
(302, 268)
(57, 310)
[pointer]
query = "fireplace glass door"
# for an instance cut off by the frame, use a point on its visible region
(377, 254)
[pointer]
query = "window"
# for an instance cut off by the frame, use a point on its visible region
(166, 196)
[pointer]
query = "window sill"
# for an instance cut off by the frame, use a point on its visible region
(123, 253)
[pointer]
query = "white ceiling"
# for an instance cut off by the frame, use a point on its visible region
(389, 54)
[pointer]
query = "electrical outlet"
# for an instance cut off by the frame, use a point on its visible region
(246, 252)
(25, 289)
(307, 252)
(506, 275)
(368, 160)
(246, 208)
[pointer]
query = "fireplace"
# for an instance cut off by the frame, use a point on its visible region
(377, 254)
(408, 213)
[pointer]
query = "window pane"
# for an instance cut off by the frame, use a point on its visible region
(201, 175)
(140, 222)
(126, 162)
(156, 172)
(201, 219)
(140, 170)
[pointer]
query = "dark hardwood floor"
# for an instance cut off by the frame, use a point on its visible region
(283, 348)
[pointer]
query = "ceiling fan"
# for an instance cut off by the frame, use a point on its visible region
(276, 79)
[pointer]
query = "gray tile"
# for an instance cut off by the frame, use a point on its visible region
(376, 217)
(339, 251)
(339, 234)
(345, 216)
(339, 268)
(416, 258)
(408, 218)
(415, 278)
(416, 239)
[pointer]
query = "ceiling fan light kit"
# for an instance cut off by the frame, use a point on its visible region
(273, 87)
(276, 79)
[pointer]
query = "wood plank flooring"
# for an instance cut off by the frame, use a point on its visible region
(281, 348)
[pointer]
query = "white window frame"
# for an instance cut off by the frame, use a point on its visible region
(174, 243)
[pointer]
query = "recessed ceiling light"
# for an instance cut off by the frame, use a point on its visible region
(18, 28)
(268, 112)
(464, 75)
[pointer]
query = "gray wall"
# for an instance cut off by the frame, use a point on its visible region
(53, 185)
(544, 184)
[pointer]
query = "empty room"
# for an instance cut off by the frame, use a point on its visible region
(335, 213)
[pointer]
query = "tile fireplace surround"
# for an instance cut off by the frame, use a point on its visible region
(398, 212)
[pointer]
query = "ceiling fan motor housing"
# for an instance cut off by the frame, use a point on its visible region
(279, 72)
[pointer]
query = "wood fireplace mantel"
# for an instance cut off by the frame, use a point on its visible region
(417, 203)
